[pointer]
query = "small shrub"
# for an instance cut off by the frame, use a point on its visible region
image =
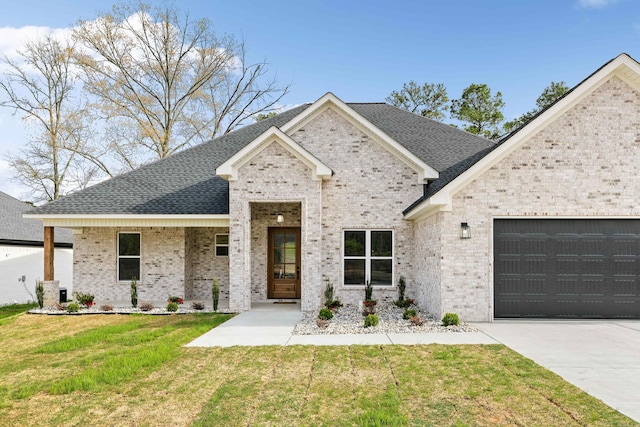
(409, 313)
(322, 324)
(325, 314)
(172, 307)
(371, 320)
(416, 320)
(40, 293)
(402, 286)
(403, 303)
(134, 293)
(177, 300)
(106, 307)
(73, 307)
(333, 304)
(215, 292)
(196, 305)
(328, 291)
(450, 319)
(146, 306)
(329, 301)
(368, 307)
(84, 299)
(368, 291)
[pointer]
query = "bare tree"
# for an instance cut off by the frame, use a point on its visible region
(39, 86)
(164, 81)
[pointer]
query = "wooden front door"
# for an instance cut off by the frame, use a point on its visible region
(284, 263)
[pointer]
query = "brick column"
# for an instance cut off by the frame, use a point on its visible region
(51, 292)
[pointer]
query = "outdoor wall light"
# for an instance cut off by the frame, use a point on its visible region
(465, 230)
(280, 218)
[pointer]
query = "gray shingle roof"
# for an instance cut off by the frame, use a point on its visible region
(185, 183)
(437, 144)
(14, 228)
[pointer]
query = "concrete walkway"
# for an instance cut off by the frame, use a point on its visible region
(272, 324)
(601, 357)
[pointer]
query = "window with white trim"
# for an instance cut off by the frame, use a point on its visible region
(128, 256)
(222, 245)
(368, 255)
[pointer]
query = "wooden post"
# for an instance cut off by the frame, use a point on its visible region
(48, 253)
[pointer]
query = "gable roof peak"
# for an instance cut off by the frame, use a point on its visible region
(229, 170)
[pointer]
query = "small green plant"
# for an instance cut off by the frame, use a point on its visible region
(74, 307)
(409, 313)
(404, 303)
(146, 306)
(84, 299)
(329, 300)
(334, 304)
(325, 314)
(215, 292)
(197, 305)
(134, 293)
(40, 293)
(402, 286)
(450, 319)
(371, 320)
(172, 307)
(368, 291)
(328, 291)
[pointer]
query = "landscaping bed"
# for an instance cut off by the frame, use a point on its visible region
(349, 320)
(95, 309)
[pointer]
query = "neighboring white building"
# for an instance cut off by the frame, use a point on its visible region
(21, 253)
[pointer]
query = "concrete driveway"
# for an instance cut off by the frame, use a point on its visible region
(600, 357)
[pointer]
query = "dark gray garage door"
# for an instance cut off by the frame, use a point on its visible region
(567, 268)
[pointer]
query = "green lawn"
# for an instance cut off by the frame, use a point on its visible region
(13, 309)
(133, 370)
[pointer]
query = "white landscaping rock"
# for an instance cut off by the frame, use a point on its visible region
(349, 320)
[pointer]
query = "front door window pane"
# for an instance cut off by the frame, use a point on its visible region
(290, 271)
(278, 271)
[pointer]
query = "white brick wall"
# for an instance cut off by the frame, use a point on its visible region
(202, 265)
(428, 251)
(583, 164)
(162, 264)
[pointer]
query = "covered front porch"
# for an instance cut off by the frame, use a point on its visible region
(275, 259)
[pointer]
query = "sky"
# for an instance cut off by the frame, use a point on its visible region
(363, 50)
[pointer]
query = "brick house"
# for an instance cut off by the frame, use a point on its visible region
(545, 223)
